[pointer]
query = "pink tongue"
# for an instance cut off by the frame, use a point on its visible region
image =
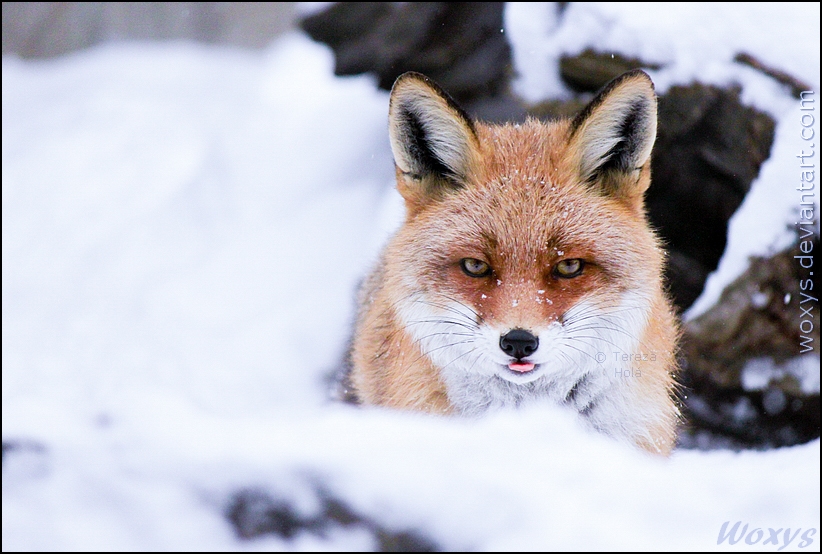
(521, 367)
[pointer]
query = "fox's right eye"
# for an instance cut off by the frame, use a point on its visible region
(475, 268)
(567, 269)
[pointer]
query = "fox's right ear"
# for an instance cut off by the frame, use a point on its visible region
(433, 140)
(613, 136)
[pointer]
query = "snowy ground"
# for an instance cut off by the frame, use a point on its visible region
(183, 230)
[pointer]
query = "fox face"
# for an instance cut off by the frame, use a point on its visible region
(509, 293)
(525, 268)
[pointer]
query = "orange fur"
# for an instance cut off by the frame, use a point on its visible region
(521, 199)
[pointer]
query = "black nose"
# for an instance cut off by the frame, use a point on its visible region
(519, 343)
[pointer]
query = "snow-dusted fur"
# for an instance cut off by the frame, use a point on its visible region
(524, 202)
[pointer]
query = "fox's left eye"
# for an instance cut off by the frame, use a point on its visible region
(474, 267)
(569, 268)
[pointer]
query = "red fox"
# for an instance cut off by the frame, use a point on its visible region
(525, 268)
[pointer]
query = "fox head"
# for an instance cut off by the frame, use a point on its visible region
(526, 257)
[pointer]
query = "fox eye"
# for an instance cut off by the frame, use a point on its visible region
(475, 268)
(569, 268)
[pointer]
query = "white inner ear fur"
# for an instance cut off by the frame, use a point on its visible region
(602, 130)
(446, 133)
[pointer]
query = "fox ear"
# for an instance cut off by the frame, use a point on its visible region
(433, 140)
(614, 134)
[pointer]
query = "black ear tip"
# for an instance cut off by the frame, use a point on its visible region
(637, 73)
(410, 76)
(412, 84)
(632, 75)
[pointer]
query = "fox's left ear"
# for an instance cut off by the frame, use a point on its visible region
(614, 134)
(434, 142)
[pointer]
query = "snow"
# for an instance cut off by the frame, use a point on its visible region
(758, 373)
(692, 41)
(183, 230)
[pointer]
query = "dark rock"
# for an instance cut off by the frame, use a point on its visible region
(404, 542)
(796, 86)
(21, 446)
(24, 460)
(591, 70)
(752, 321)
(556, 109)
(254, 513)
(708, 151)
(460, 45)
